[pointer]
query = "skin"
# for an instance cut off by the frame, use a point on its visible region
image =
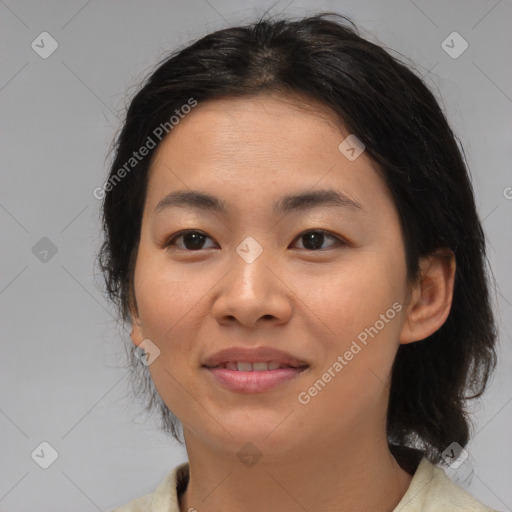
(331, 454)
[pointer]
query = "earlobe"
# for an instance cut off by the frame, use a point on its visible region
(136, 335)
(431, 298)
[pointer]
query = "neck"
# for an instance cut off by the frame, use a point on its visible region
(359, 475)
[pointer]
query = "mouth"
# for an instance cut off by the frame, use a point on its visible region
(258, 377)
(258, 366)
(253, 370)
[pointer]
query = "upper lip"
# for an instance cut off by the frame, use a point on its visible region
(254, 355)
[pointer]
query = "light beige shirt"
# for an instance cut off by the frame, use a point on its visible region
(430, 490)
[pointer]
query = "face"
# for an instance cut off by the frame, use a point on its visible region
(323, 280)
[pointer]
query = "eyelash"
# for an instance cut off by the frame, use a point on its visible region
(172, 240)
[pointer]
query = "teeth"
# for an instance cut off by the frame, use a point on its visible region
(262, 366)
(244, 367)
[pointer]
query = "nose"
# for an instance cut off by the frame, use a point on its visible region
(253, 294)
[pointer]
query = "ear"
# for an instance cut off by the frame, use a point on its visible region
(431, 297)
(136, 335)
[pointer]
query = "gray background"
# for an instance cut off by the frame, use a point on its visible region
(62, 378)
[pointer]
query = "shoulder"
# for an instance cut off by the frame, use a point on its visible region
(165, 497)
(431, 490)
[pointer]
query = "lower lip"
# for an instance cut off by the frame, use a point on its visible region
(254, 382)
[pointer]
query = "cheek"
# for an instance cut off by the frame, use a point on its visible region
(166, 300)
(360, 308)
(353, 295)
(359, 347)
(168, 304)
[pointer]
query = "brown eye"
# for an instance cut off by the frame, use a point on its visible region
(193, 240)
(314, 239)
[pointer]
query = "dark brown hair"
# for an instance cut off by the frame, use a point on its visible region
(389, 108)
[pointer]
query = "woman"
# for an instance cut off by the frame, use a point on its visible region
(290, 230)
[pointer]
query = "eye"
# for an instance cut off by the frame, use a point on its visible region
(314, 239)
(192, 239)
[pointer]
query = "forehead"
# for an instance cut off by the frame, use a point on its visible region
(270, 120)
(257, 145)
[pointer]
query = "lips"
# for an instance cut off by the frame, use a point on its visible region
(254, 382)
(260, 366)
(258, 359)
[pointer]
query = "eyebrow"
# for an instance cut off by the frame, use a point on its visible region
(290, 202)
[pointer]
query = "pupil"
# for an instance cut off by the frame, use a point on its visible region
(314, 240)
(193, 240)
